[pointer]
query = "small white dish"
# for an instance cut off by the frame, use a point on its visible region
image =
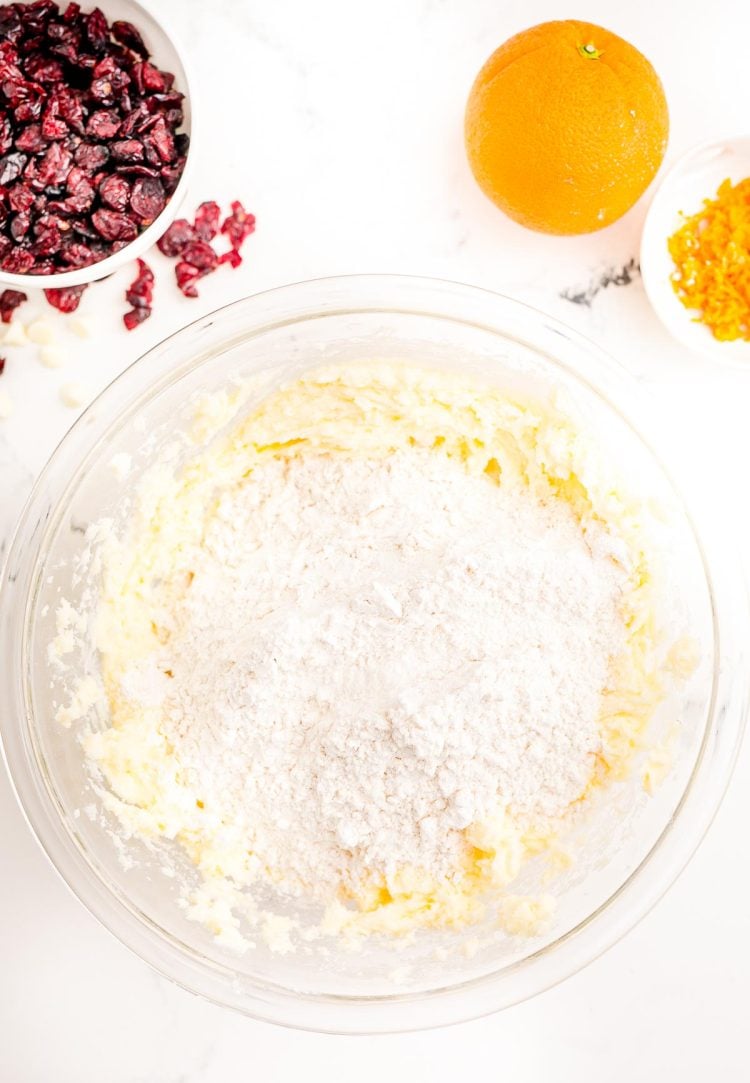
(693, 177)
(169, 56)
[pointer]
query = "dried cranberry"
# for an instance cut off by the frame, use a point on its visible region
(148, 199)
(135, 316)
(97, 29)
(54, 166)
(137, 120)
(91, 156)
(103, 124)
(187, 274)
(147, 77)
(114, 226)
(207, 219)
(80, 192)
(127, 150)
(49, 238)
(71, 13)
(77, 255)
(201, 255)
(30, 139)
(9, 302)
(2, 365)
(140, 291)
(19, 225)
(6, 135)
(70, 107)
(11, 167)
(179, 234)
(137, 170)
(102, 90)
(114, 192)
(127, 35)
(52, 126)
(238, 225)
(162, 140)
(20, 198)
(18, 261)
(11, 28)
(232, 257)
(65, 299)
(84, 228)
(43, 70)
(171, 174)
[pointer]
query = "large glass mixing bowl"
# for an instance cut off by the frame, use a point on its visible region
(637, 844)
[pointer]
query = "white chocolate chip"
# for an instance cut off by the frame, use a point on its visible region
(81, 326)
(75, 394)
(16, 334)
(6, 405)
(53, 356)
(40, 332)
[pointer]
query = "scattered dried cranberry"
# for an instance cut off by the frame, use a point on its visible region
(177, 236)
(90, 146)
(9, 302)
(65, 299)
(207, 219)
(201, 255)
(2, 365)
(238, 225)
(232, 257)
(187, 275)
(139, 295)
(189, 243)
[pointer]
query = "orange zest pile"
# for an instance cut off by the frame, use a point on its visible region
(711, 252)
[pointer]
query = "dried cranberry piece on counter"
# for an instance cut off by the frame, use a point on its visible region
(238, 225)
(140, 295)
(179, 234)
(187, 275)
(207, 220)
(66, 299)
(9, 302)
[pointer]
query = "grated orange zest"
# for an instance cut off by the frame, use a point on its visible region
(711, 252)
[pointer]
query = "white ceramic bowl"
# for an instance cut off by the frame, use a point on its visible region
(168, 56)
(694, 177)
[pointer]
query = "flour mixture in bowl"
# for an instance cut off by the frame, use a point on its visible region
(374, 648)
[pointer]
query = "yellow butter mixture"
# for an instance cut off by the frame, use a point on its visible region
(378, 428)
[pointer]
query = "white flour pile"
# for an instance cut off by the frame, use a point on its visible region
(375, 653)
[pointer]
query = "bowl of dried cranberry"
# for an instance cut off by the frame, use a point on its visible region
(95, 129)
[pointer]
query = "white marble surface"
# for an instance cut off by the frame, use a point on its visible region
(339, 124)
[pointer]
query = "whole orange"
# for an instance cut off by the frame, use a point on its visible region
(566, 126)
